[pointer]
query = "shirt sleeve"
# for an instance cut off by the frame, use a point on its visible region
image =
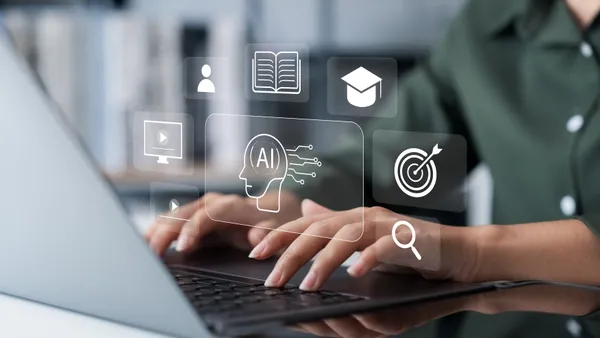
(427, 102)
(592, 221)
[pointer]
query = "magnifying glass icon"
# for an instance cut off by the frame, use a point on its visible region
(413, 237)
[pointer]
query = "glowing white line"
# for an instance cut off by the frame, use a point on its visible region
(302, 164)
(296, 180)
(304, 158)
(297, 173)
(177, 218)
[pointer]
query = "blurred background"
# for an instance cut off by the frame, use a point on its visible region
(102, 60)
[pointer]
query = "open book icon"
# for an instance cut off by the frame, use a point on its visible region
(276, 73)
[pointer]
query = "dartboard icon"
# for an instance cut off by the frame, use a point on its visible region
(415, 171)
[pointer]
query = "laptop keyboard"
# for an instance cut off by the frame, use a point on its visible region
(217, 298)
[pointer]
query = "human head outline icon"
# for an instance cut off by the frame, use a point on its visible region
(265, 160)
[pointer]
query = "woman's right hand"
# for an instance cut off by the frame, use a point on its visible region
(193, 225)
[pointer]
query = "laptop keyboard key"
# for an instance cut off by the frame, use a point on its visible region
(187, 288)
(203, 293)
(218, 297)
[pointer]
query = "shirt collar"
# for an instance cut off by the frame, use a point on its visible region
(556, 27)
(546, 22)
(497, 15)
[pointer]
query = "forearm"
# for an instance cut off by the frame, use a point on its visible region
(561, 251)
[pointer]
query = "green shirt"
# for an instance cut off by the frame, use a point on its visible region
(520, 81)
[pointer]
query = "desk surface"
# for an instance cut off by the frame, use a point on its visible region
(21, 318)
(530, 311)
(25, 319)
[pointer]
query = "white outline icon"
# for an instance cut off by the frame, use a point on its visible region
(276, 71)
(281, 161)
(361, 87)
(162, 137)
(174, 208)
(277, 151)
(426, 161)
(413, 238)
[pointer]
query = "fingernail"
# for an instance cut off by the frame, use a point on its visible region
(355, 270)
(273, 279)
(258, 250)
(309, 282)
(182, 243)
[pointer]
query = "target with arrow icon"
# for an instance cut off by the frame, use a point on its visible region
(415, 171)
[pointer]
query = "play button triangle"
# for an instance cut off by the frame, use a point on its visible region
(174, 205)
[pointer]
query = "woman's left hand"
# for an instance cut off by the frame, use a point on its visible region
(335, 236)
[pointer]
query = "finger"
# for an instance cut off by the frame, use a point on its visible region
(168, 220)
(297, 328)
(167, 230)
(305, 247)
(284, 235)
(202, 224)
(370, 257)
(309, 207)
(336, 252)
(162, 239)
(260, 231)
(386, 323)
(287, 233)
(395, 269)
(350, 327)
(318, 328)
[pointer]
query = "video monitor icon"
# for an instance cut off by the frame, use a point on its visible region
(164, 140)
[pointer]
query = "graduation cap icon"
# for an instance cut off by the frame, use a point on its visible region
(361, 88)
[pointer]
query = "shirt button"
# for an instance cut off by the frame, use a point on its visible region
(575, 123)
(573, 327)
(586, 49)
(567, 205)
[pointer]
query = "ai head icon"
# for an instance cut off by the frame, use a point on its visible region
(265, 161)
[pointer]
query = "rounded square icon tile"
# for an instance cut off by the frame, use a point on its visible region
(359, 86)
(167, 201)
(163, 142)
(208, 78)
(277, 72)
(411, 242)
(423, 170)
(272, 159)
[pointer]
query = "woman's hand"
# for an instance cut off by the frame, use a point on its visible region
(447, 252)
(555, 299)
(193, 224)
(384, 323)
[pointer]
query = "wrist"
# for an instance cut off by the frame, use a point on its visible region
(492, 257)
(469, 253)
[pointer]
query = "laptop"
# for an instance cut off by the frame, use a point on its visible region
(67, 241)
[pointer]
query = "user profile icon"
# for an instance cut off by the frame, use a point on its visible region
(209, 78)
(206, 85)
